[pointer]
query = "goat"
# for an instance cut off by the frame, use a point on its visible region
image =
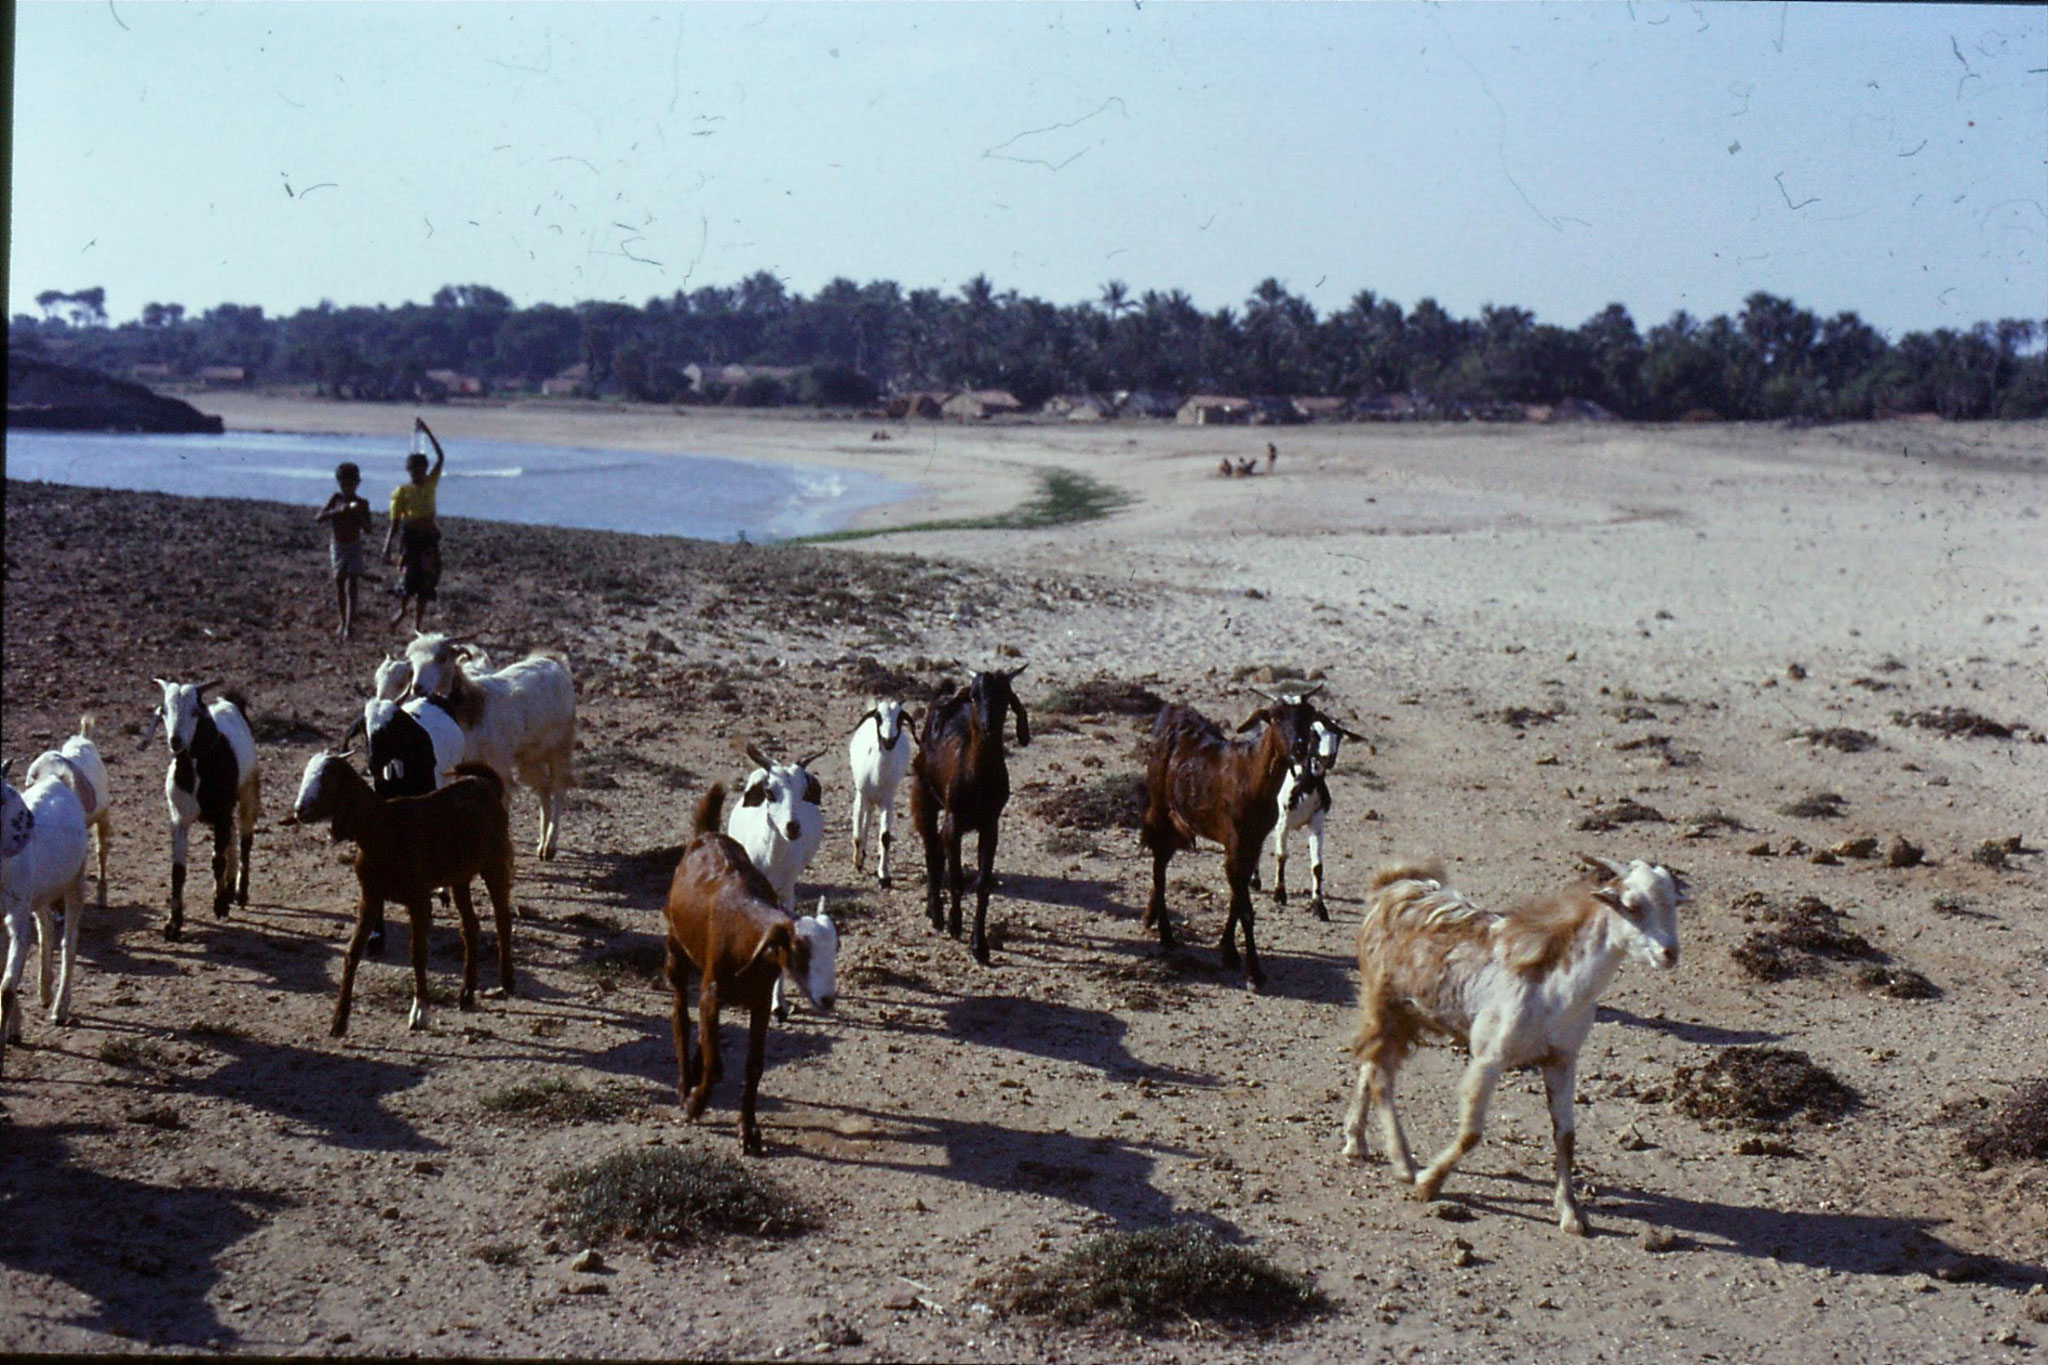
(1201, 784)
(723, 919)
(77, 764)
(407, 847)
(520, 719)
(879, 754)
(394, 675)
(1517, 990)
(43, 840)
(961, 781)
(213, 778)
(779, 824)
(1305, 801)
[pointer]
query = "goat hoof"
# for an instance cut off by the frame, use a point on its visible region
(1574, 1225)
(1279, 894)
(980, 951)
(173, 932)
(1322, 911)
(467, 1004)
(242, 898)
(886, 882)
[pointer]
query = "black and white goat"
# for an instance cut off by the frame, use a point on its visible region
(879, 755)
(213, 780)
(413, 749)
(779, 823)
(1304, 802)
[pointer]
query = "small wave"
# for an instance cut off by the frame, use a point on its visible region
(279, 471)
(516, 471)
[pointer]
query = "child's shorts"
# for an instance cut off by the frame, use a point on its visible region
(348, 560)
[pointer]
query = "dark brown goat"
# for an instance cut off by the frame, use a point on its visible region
(724, 920)
(960, 780)
(408, 847)
(1201, 784)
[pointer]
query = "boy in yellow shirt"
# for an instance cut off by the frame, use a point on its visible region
(412, 526)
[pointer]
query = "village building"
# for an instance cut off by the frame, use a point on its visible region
(1212, 410)
(974, 405)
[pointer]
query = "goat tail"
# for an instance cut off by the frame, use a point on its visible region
(709, 807)
(1389, 873)
(85, 725)
(486, 774)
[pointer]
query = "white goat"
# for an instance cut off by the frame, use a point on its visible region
(213, 778)
(521, 719)
(779, 824)
(77, 765)
(42, 835)
(1304, 800)
(879, 754)
(394, 675)
(1518, 990)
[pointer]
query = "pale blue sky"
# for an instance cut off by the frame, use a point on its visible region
(1889, 159)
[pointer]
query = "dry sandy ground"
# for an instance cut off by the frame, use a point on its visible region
(194, 1164)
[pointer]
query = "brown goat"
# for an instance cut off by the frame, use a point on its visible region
(724, 920)
(960, 780)
(408, 847)
(1201, 784)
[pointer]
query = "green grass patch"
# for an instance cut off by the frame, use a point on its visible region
(556, 1100)
(672, 1195)
(1158, 1277)
(1063, 498)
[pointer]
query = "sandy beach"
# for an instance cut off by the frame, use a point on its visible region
(1615, 639)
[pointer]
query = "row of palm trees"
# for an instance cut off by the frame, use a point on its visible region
(1772, 359)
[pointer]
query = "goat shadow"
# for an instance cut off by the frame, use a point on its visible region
(102, 938)
(145, 1255)
(1707, 1035)
(1059, 1032)
(1847, 1243)
(1106, 1175)
(338, 1094)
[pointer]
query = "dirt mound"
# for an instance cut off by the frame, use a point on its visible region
(1110, 801)
(1816, 806)
(1097, 696)
(1762, 1087)
(1954, 722)
(2016, 1131)
(1615, 814)
(1839, 738)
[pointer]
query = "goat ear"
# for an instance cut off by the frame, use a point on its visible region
(1680, 882)
(1343, 730)
(1608, 895)
(780, 938)
(1023, 723)
(813, 793)
(1254, 718)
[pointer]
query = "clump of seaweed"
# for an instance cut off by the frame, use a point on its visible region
(1160, 1276)
(1761, 1087)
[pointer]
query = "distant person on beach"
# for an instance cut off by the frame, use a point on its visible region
(1272, 455)
(412, 526)
(348, 521)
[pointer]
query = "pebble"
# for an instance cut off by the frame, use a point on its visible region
(1659, 1240)
(588, 1262)
(1448, 1210)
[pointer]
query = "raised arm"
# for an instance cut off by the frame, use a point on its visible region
(439, 455)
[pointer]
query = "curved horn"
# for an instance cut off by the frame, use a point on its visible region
(1312, 690)
(1260, 692)
(753, 751)
(1016, 672)
(358, 726)
(156, 719)
(813, 758)
(1605, 865)
(201, 688)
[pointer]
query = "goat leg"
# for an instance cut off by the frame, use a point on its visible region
(242, 866)
(465, 910)
(1475, 1092)
(181, 842)
(356, 942)
(707, 1048)
(223, 869)
(675, 969)
(887, 839)
(1315, 868)
(421, 913)
(956, 879)
(985, 856)
(860, 831)
(499, 885)
(757, 1050)
(1558, 1083)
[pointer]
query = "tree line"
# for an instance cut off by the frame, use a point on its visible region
(851, 342)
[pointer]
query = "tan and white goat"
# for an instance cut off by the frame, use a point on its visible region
(1518, 990)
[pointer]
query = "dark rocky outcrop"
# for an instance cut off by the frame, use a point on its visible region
(43, 394)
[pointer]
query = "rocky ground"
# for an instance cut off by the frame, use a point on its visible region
(1711, 648)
